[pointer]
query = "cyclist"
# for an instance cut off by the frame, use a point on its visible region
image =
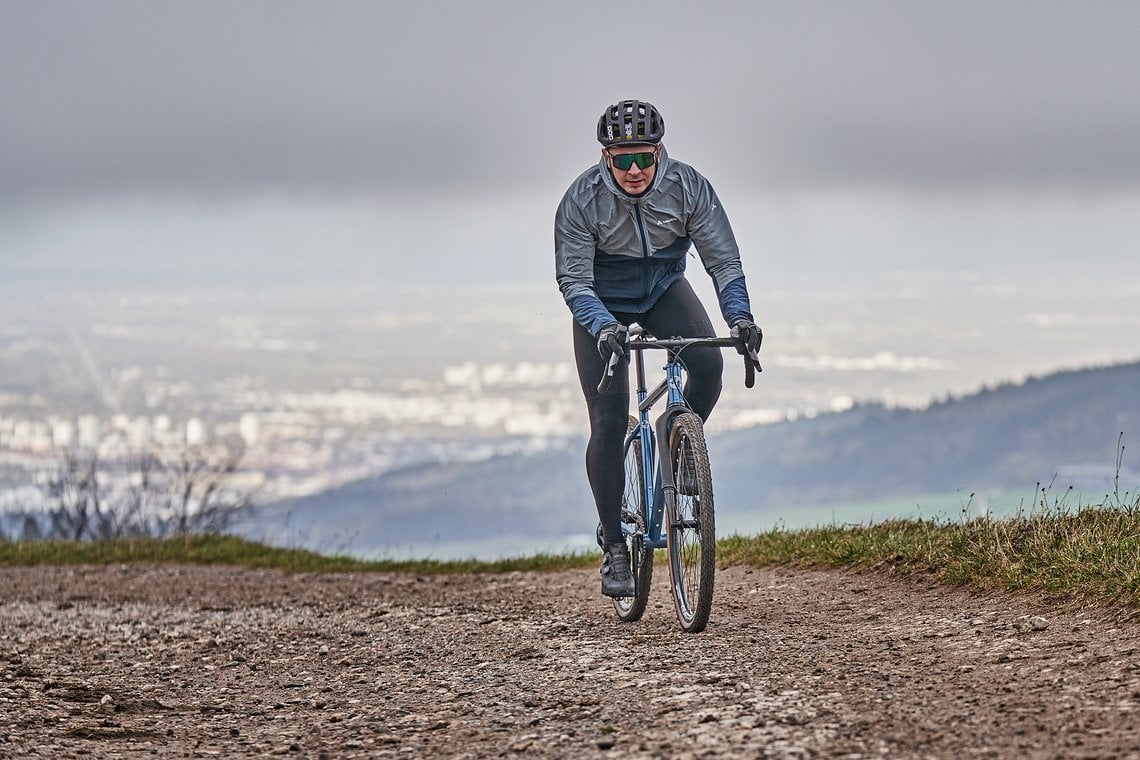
(621, 234)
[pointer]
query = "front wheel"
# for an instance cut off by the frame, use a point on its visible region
(691, 536)
(631, 608)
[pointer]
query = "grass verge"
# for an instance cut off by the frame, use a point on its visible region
(1090, 556)
(231, 550)
(1087, 557)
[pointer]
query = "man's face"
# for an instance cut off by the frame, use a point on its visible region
(633, 180)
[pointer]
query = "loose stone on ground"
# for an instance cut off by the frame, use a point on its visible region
(180, 660)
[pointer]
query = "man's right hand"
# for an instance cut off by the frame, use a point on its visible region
(612, 340)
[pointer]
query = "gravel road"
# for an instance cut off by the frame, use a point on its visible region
(194, 661)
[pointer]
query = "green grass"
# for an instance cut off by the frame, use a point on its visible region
(1090, 556)
(1087, 556)
(231, 550)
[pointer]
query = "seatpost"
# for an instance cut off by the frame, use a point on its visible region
(639, 367)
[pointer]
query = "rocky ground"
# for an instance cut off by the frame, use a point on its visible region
(192, 661)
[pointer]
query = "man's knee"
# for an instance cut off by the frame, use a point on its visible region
(705, 367)
(608, 415)
(704, 384)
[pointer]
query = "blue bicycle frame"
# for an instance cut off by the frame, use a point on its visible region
(657, 471)
(684, 525)
(650, 466)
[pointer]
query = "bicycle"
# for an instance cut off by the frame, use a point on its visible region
(670, 490)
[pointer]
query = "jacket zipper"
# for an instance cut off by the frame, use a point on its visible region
(644, 250)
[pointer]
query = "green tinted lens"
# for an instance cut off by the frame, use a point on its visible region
(644, 160)
(624, 161)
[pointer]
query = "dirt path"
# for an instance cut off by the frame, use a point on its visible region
(187, 661)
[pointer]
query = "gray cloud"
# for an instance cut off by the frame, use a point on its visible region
(217, 97)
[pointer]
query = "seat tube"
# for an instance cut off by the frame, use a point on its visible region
(642, 393)
(639, 370)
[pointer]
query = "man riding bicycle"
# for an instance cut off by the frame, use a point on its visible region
(621, 234)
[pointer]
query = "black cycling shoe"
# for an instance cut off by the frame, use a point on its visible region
(617, 580)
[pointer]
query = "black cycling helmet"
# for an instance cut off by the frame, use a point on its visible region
(633, 121)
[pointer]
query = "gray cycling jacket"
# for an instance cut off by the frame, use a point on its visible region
(626, 251)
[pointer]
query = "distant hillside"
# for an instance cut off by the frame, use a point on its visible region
(541, 494)
(1011, 437)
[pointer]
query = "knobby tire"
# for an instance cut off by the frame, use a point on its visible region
(691, 526)
(630, 609)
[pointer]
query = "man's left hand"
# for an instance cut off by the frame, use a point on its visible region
(747, 335)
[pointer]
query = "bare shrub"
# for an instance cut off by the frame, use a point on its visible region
(76, 509)
(152, 494)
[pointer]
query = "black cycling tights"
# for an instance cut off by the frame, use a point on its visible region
(678, 313)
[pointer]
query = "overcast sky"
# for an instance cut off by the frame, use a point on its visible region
(278, 128)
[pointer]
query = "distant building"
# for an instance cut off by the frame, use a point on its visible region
(31, 436)
(139, 433)
(249, 428)
(195, 432)
(21, 434)
(62, 432)
(88, 431)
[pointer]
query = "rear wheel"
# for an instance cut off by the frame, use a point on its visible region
(631, 608)
(691, 536)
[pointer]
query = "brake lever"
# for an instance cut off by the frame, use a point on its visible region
(751, 367)
(608, 377)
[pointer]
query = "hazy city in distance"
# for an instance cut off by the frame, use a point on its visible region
(329, 384)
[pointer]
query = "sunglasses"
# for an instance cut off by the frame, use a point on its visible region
(625, 161)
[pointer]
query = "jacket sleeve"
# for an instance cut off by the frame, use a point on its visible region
(574, 246)
(734, 303)
(711, 233)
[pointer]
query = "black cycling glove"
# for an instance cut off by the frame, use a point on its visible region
(747, 335)
(612, 340)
